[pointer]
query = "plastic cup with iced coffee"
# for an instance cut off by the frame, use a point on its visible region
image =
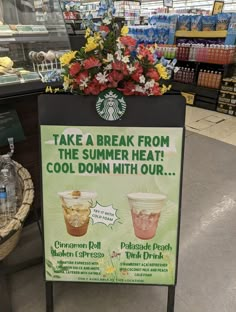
(76, 208)
(146, 211)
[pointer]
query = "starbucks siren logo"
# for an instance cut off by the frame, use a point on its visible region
(111, 105)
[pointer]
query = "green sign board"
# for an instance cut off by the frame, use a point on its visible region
(111, 203)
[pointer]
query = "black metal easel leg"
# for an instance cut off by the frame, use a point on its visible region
(171, 299)
(49, 297)
(37, 219)
(5, 294)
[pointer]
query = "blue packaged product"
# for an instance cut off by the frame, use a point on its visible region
(196, 22)
(209, 23)
(222, 21)
(184, 22)
(163, 35)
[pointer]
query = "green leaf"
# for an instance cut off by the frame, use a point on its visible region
(49, 263)
(56, 276)
(48, 273)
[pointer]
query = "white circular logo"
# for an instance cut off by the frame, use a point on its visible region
(111, 105)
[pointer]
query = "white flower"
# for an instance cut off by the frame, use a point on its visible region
(131, 68)
(142, 79)
(139, 89)
(101, 78)
(108, 67)
(125, 59)
(84, 83)
(107, 20)
(110, 58)
(120, 45)
(149, 84)
(118, 55)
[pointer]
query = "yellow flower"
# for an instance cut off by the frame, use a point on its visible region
(66, 58)
(110, 270)
(164, 88)
(97, 37)
(90, 45)
(66, 82)
(48, 89)
(162, 71)
(87, 32)
(124, 30)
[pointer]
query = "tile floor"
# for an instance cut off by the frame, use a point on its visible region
(215, 125)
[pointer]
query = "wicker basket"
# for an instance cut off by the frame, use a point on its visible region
(10, 234)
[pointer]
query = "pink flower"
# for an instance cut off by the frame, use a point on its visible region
(91, 62)
(153, 74)
(74, 69)
(128, 42)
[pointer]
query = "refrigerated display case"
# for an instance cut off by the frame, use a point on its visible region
(33, 36)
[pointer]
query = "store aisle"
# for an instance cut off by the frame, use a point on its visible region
(207, 271)
(211, 124)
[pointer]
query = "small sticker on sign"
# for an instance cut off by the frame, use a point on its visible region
(103, 214)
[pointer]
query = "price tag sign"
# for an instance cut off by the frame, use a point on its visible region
(217, 7)
(168, 3)
(189, 97)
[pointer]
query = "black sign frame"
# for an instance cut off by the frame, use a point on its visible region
(160, 111)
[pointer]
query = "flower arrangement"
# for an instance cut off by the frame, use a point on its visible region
(113, 59)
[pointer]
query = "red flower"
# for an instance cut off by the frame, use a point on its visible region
(155, 90)
(120, 66)
(144, 52)
(82, 76)
(126, 52)
(114, 78)
(128, 42)
(74, 69)
(104, 28)
(138, 72)
(128, 88)
(135, 76)
(94, 87)
(91, 62)
(153, 74)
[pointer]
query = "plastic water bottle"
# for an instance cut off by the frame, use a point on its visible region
(3, 205)
(9, 183)
(7, 163)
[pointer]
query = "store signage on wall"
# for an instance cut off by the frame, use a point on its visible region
(217, 7)
(111, 203)
(168, 3)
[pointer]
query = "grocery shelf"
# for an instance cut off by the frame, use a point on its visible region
(199, 62)
(201, 34)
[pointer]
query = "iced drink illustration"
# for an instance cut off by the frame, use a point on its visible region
(145, 211)
(76, 208)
